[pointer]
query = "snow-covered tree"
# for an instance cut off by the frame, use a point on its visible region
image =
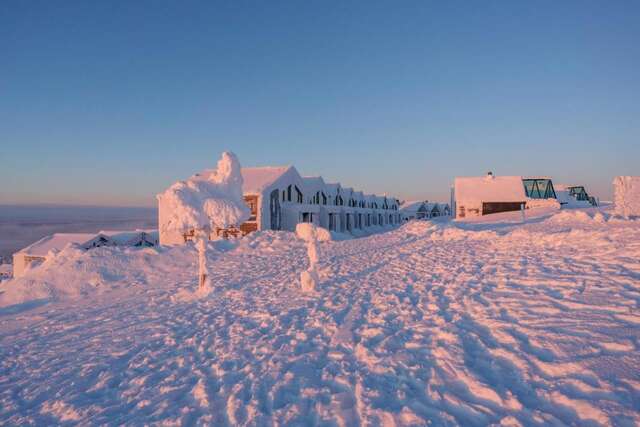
(204, 203)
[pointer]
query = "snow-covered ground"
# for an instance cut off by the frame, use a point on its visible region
(468, 323)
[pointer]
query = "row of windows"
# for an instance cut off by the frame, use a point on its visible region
(293, 193)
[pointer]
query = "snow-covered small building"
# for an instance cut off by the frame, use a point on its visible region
(433, 209)
(38, 252)
(574, 196)
(476, 196)
(413, 209)
(627, 196)
(444, 209)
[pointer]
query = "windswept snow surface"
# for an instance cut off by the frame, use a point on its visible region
(435, 322)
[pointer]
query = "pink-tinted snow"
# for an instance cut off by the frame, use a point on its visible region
(441, 323)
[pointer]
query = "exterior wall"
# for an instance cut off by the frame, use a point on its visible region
(22, 261)
(497, 207)
(257, 210)
(468, 209)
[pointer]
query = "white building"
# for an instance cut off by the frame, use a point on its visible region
(444, 208)
(476, 196)
(574, 196)
(335, 207)
(38, 252)
(413, 209)
(279, 198)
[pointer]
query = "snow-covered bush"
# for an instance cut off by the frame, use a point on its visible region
(627, 195)
(204, 204)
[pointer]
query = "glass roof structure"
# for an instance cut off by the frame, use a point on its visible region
(539, 188)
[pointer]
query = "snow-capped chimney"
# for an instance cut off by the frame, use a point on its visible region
(489, 175)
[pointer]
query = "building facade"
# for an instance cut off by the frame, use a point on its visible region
(279, 198)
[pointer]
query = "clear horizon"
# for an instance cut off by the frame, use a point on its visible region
(108, 104)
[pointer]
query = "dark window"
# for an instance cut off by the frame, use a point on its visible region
(298, 194)
(252, 202)
(289, 193)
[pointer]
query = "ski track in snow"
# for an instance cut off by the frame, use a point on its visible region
(437, 324)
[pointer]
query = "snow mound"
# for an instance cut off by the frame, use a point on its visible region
(418, 227)
(498, 323)
(75, 273)
(579, 216)
(212, 201)
(627, 195)
(308, 231)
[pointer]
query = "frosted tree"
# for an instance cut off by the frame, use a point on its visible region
(204, 203)
(309, 278)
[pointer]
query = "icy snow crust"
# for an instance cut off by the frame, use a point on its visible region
(468, 323)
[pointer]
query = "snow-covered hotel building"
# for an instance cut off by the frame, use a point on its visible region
(280, 198)
(477, 196)
(423, 210)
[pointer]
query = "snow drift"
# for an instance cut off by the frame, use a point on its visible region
(477, 323)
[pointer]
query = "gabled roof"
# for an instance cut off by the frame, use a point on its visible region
(313, 184)
(127, 238)
(431, 206)
(489, 189)
(332, 188)
(255, 180)
(56, 241)
(565, 187)
(411, 206)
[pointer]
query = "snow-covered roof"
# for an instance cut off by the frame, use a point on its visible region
(332, 188)
(565, 187)
(127, 237)
(411, 206)
(431, 206)
(537, 177)
(56, 241)
(255, 180)
(490, 189)
(313, 184)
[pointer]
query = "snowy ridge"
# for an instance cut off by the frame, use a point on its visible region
(458, 323)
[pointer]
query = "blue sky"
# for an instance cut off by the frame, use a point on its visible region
(109, 102)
